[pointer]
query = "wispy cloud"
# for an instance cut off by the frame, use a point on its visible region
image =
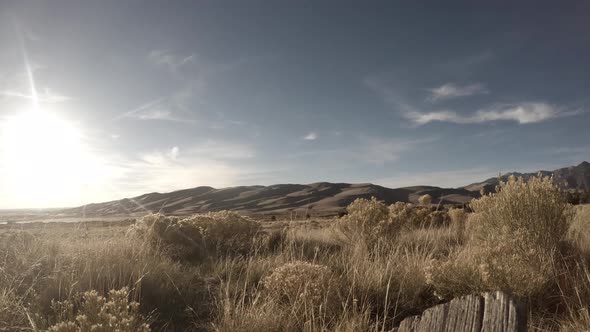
(193, 75)
(169, 59)
(390, 95)
(451, 90)
(522, 113)
(211, 163)
(151, 110)
(163, 109)
(378, 151)
(365, 150)
(312, 136)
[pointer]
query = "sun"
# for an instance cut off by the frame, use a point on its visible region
(44, 159)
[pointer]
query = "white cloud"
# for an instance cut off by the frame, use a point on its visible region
(522, 113)
(210, 163)
(450, 90)
(311, 136)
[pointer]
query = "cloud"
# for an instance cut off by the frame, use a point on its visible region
(522, 113)
(450, 90)
(211, 163)
(379, 151)
(192, 74)
(174, 152)
(312, 136)
(169, 59)
(365, 150)
(164, 109)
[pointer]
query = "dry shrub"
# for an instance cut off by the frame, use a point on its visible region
(579, 231)
(517, 233)
(371, 220)
(425, 200)
(200, 235)
(367, 220)
(302, 283)
(410, 216)
(455, 276)
(99, 314)
(536, 208)
(458, 218)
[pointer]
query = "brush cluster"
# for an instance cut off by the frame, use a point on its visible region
(365, 271)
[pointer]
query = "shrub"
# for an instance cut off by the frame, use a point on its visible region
(455, 276)
(409, 216)
(536, 208)
(579, 233)
(98, 314)
(368, 220)
(458, 218)
(425, 200)
(517, 232)
(300, 283)
(371, 220)
(197, 236)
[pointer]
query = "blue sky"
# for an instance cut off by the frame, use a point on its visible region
(161, 95)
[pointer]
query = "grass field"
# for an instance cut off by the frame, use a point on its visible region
(363, 272)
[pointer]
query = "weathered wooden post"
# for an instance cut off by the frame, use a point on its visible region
(492, 312)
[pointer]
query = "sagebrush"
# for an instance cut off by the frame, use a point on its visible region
(365, 271)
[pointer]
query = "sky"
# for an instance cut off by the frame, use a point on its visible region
(109, 99)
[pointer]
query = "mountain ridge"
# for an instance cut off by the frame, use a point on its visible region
(316, 199)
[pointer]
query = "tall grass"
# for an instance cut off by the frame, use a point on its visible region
(364, 272)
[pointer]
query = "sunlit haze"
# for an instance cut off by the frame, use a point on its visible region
(101, 100)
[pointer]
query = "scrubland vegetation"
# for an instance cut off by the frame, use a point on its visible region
(365, 271)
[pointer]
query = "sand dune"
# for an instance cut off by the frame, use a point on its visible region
(316, 199)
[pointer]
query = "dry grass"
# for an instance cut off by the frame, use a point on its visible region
(364, 272)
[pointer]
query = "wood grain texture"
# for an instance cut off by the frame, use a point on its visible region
(492, 312)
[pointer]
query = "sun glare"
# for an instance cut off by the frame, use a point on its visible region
(44, 159)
